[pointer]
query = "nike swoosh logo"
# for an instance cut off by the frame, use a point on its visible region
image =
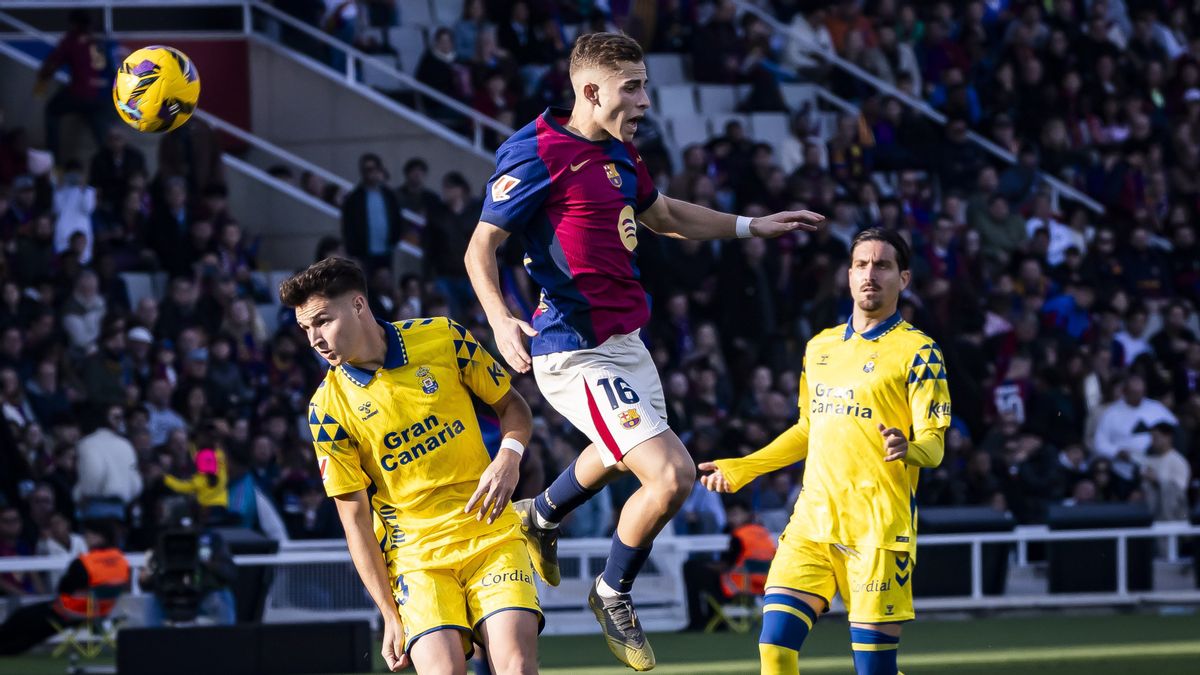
(576, 167)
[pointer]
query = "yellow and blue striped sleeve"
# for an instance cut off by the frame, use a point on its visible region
(479, 371)
(337, 456)
(929, 401)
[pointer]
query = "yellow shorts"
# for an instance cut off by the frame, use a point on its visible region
(875, 583)
(497, 578)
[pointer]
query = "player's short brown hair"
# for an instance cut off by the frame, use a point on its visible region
(604, 50)
(328, 278)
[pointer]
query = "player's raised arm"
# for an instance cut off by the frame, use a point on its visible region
(684, 220)
(484, 273)
(354, 510)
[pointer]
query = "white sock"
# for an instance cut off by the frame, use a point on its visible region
(604, 590)
(542, 522)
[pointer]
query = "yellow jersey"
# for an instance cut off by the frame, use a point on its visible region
(407, 433)
(892, 374)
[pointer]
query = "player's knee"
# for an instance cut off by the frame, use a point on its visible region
(677, 483)
(515, 664)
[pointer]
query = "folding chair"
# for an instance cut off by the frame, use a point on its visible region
(96, 632)
(743, 611)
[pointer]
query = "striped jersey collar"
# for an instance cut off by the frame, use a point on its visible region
(876, 332)
(396, 356)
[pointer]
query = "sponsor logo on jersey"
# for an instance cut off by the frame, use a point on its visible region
(322, 464)
(872, 586)
(393, 535)
(837, 401)
(576, 167)
(367, 411)
(627, 228)
(823, 360)
(505, 577)
(502, 186)
(428, 384)
(421, 438)
(610, 170)
(938, 409)
(630, 419)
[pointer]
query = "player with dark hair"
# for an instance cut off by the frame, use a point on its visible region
(425, 510)
(874, 407)
(573, 188)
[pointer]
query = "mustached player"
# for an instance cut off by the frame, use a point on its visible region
(574, 190)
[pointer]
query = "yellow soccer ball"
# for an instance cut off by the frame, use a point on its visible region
(156, 89)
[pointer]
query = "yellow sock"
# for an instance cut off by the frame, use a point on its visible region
(778, 660)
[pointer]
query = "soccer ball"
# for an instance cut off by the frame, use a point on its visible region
(156, 89)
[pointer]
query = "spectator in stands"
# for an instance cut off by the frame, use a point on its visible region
(717, 48)
(21, 209)
(445, 242)
(162, 419)
(371, 223)
(111, 167)
(1165, 475)
(440, 69)
(87, 58)
(1123, 431)
(107, 465)
(74, 203)
(468, 27)
(412, 193)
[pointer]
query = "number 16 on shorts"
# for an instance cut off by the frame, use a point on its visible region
(621, 417)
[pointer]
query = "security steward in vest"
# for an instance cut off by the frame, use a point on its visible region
(90, 585)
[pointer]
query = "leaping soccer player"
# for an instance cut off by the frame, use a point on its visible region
(874, 407)
(426, 513)
(573, 188)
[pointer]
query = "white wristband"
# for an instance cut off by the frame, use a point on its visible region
(514, 445)
(742, 228)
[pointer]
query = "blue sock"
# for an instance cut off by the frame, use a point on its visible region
(786, 621)
(563, 496)
(624, 563)
(874, 652)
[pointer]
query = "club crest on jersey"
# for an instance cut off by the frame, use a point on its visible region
(428, 384)
(503, 185)
(630, 419)
(367, 411)
(869, 367)
(610, 170)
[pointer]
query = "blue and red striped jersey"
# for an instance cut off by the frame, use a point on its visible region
(573, 202)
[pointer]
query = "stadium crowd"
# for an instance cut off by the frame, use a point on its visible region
(1070, 336)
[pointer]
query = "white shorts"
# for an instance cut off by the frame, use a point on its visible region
(611, 393)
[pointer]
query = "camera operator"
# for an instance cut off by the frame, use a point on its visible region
(190, 573)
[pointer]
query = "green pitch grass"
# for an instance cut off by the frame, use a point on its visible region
(1061, 645)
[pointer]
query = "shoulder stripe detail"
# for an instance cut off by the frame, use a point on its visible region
(928, 364)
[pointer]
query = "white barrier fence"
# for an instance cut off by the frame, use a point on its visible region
(315, 580)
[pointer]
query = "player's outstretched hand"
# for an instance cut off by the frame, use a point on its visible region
(393, 645)
(895, 444)
(510, 335)
(769, 227)
(715, 481)
(496, 486)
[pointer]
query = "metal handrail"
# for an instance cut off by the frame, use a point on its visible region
(353, 54)
(923, 107)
